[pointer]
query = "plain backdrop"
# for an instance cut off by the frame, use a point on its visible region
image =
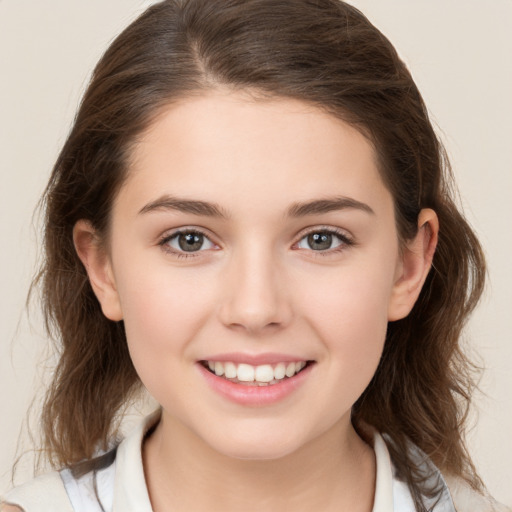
(460, 55)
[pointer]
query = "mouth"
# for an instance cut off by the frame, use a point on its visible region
(260, 376)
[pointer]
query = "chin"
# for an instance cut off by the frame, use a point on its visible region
(259, 445)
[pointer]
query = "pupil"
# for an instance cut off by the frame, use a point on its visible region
(190, 242)
(320, 241)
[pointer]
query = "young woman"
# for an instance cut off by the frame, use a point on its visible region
(251, 218)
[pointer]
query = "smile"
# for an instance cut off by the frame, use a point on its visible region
(269, 380)
(249, 375)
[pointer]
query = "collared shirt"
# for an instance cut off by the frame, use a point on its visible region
(121, 486)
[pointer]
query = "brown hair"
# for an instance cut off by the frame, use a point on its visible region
(326, 53)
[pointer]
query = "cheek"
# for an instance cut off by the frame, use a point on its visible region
(355, 336)
(352, 301)
(353, 344)
(163, 309)
(348, 311)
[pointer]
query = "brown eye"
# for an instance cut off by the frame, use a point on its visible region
(323, 240)
(320, 241)
(188, 241)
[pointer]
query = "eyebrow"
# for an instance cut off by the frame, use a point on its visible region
(296, 210)
(327, 205)
(187, 206)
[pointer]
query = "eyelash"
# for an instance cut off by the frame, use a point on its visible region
(181, 254)
(345, 240)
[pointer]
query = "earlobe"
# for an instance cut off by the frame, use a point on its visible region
(415, 265)
(98, 267)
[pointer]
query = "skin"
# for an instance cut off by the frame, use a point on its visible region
(256, 286)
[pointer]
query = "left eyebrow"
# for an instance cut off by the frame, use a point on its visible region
(327, 205)
(185, 205)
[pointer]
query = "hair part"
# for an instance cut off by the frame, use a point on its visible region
(323, 52)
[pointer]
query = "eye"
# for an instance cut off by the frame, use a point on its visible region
(188, 241)
(324, 240)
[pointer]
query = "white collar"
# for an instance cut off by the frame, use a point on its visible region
(131, 494)
(130, 491)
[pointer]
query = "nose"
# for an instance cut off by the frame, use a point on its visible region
(256, 297)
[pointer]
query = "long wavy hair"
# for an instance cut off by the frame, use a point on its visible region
(325, 53)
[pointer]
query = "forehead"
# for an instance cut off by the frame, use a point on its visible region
(232, 148)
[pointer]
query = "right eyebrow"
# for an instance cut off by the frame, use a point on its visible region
(326, 205)
(195, 207)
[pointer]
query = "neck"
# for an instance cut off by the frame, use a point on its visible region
(333, 472)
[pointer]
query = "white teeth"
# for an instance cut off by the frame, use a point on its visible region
(280, 371)
(219, 369)
(290, 370)
(264, 373)
(245, 372)
(230, 370)
(260, 375)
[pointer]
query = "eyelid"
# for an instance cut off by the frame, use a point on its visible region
(169, 235)
(347, 240)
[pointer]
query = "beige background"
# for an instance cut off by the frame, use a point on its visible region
(459, 53)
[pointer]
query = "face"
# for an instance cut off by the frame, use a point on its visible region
(255, 239)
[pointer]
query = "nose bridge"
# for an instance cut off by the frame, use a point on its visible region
(255, 295)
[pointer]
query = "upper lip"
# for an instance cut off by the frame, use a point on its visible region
(254, 359)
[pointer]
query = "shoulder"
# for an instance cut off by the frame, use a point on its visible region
(455, 494)
(468, 500)
(45, 493)
(10, 508)
(91, 485)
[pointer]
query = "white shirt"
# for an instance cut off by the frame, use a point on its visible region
(121, 486)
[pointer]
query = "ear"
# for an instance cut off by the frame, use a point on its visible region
(414, 266)
(99, 268)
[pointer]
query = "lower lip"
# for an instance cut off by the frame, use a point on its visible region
(255, 395)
